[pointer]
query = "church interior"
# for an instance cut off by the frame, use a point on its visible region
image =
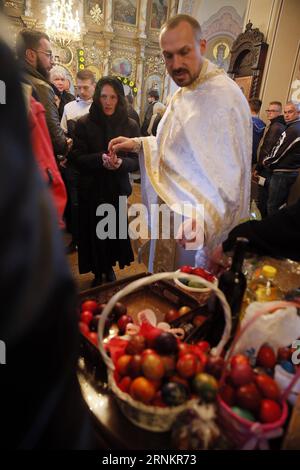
(132, 340)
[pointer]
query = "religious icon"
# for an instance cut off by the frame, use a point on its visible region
(221, 54)
(159, 13)
(91, 4)
(154, 82)
(122, 67)
(245, 84)
(125, 11)
(97, 71)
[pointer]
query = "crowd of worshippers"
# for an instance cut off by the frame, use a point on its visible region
(275, 154)
(82, 122)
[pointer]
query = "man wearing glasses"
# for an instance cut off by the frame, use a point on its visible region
(261, 174)
(34, 50)
(284, 159)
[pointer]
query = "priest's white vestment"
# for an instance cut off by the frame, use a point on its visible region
(201, 155)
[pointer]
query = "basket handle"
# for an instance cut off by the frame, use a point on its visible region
(149, 280)
(267, 308)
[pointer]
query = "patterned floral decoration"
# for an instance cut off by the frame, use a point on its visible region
(97, 14)
(130, 83)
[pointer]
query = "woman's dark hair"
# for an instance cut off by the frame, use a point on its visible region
(115, 84)
(121, 113)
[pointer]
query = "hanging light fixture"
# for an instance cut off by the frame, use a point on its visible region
(61, 25)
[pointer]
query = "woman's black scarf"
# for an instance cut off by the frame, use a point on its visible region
(111, 126)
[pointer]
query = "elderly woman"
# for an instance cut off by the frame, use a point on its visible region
(103, 180)
(58, 79)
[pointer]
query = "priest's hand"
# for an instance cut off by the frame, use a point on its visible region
(220, 262)
(121, 144)
(190, 234)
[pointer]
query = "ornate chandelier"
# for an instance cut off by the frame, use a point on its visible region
(62, 27)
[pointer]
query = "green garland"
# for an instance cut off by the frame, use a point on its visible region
(130, 83)
(81, 59)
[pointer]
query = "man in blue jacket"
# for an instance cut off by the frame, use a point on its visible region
(258, 127)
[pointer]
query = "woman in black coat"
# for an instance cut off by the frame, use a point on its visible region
(102, 182)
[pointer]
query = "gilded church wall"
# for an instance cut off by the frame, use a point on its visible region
(279, 21)
(119, 37)
(221, 21)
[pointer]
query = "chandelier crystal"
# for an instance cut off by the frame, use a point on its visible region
(61, 25)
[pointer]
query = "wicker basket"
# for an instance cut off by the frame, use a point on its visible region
(245, 434)
(153, 418)
(201, 294)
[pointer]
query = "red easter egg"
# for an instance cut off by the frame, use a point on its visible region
(269, 411)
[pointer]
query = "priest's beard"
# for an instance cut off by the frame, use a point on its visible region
(42, 69)
(183, 77)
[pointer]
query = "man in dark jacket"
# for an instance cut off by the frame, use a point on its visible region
(284, 159)
(262, 174)
(153, 114)
(34, 50)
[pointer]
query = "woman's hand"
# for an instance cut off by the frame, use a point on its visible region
(111, 162)
(121, 144)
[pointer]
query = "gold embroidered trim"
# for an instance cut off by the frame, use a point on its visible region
(137, 144)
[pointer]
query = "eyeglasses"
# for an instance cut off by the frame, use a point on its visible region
(48, 54)
(272, 111)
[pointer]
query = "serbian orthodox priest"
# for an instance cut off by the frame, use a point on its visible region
(201, 156)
